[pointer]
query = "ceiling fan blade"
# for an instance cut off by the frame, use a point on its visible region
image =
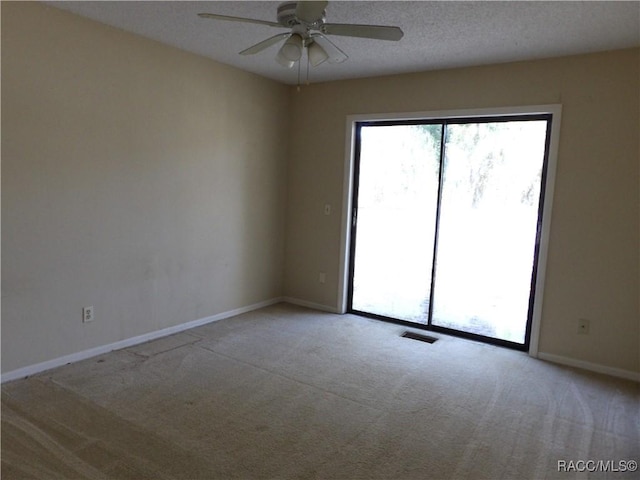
(258, 47)
(239, 19)
(335, 54)
(377, 32)
(310, 11)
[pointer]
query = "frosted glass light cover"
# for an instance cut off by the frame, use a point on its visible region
(283, 61)
(292, 48)
(317, 55)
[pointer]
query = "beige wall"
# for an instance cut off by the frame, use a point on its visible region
(136, 178)
(594, 244)
(150, 183)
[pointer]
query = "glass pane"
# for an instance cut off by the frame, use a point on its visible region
(488, 219)
(397, 199)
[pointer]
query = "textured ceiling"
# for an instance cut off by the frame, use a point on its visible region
(437, 34)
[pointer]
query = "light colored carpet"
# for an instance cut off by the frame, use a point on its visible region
(290, 393)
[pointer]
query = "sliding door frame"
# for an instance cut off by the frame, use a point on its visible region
(453, 116)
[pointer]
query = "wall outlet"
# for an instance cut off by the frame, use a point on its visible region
(322, 277)
(87, 314)
(583, 325)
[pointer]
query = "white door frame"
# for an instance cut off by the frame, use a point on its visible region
(347, 195)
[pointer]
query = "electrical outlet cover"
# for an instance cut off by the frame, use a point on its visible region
(87, 314)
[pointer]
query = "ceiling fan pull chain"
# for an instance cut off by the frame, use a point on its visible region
(307, 67)
(298, 86)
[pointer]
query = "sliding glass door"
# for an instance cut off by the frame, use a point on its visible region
(397, 204)
(446, 221)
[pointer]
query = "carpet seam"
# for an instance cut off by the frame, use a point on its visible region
(278, 374)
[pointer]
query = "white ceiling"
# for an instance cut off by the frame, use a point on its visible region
(437, 34)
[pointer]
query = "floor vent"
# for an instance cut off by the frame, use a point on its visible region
(417, 336)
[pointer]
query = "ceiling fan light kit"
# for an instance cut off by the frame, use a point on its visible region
(308, 31)
(283, 61)
(316, 54)
(292, 48)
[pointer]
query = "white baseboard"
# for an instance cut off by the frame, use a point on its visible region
(593, 367)
(315, 306)
(128, 342)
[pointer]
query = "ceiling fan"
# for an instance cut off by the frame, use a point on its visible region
(306, 22)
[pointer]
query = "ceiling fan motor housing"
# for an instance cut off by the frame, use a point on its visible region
(287, 16)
